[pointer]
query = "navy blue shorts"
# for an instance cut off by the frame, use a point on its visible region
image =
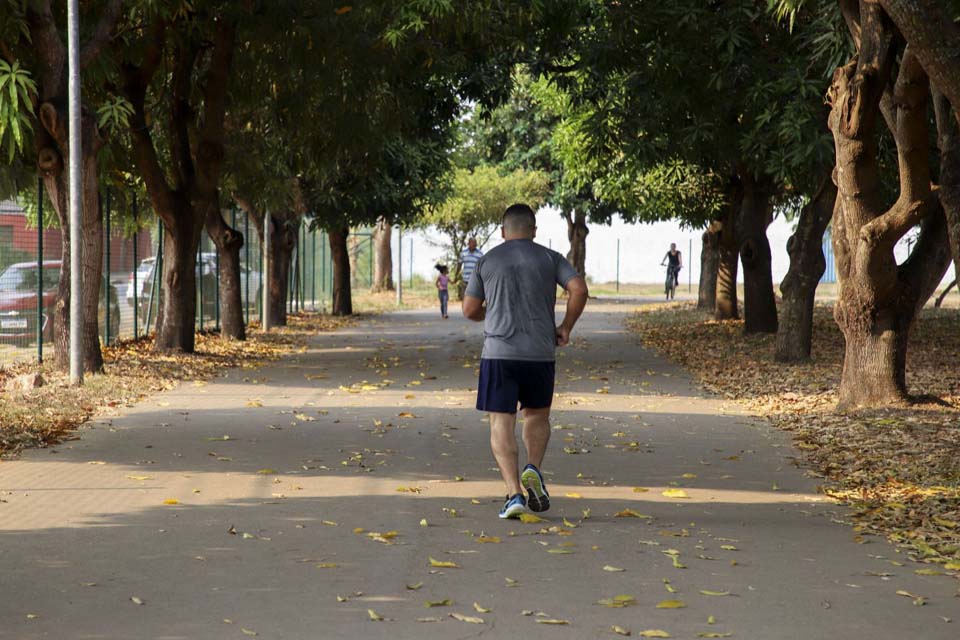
(504, 383)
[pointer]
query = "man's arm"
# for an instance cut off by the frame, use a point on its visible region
(576, 300)
(473, 309)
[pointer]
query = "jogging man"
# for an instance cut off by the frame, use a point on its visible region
(518, 282)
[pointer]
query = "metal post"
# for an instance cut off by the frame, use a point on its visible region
(136, 268)
(106, 293)
(303, 267)
(200, 282)
(411, 263)
(216, 294)
(323, 261)
(689, 270)
(313, 271)
(246, 252)
(618, 265)
(266, 270)
(76, 190)
(40, 271)
(399, 265)
(372, 250)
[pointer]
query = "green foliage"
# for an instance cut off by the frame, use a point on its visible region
(17, 89)
(477, 201)
(113, 115)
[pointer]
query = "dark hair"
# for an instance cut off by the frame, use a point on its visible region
(442, 268)
(520, 216)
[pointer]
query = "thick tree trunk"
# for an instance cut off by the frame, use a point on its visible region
(342, 298)
(709, 263)
(177, 308)
(577, 231)
(383, 256)
(228, 242)
(283, 240)
(756, 214)
(729, 257)
(948, 141)
(878, 299)
(52, 142)
(807, 264)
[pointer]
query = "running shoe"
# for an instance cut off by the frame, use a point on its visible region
(513, 507)
(537, 497)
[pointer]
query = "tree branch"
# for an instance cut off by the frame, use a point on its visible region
(101, 34)
(50, 49)
(181, 115)
(210, 150)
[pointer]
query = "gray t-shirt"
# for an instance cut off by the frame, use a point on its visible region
(519, 279)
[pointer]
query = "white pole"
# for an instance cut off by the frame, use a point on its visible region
(76, 190)
(265, 322)
(399, 265)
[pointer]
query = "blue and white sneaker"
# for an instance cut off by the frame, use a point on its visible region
(537, 497)
(513, 507)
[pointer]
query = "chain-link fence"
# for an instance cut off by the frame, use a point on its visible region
(30, 259)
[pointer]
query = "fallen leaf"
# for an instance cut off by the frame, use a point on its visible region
(479, 609)
(327, 565)
(376, 617)
(617, 602)
(136, 600)
(266, 472)
(675, 493)
(654, 633)
(714, 593)
(671, 604)
(171, 501)
(529, 518)
(630, 513)
(463, 618)
(438, 603)
(443, 564)
(619, 630)
(414, 587)
(640, 490)
(552, 621)
(612, 569)
(249, 632)
(488, 539)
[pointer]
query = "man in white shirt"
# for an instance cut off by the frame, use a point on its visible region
(468, 261)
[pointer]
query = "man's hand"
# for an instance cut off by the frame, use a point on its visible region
(473, 309)
(563, 336)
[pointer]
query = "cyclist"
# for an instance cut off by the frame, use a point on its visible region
(674, 262)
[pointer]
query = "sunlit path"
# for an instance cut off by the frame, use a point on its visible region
(267, 500)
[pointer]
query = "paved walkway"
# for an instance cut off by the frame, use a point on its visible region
(275, 472)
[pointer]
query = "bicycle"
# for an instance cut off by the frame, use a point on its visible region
(670, 286)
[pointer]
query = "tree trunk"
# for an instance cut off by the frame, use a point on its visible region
(878, 299)
(709, 263)
(729, 257)
(283, 240)
(807, 264)
(52, 142)
(948, 140)
(177, 308)
(228, 242)
(342, 299)
(577, 235)
(383, 257)
(756, 214)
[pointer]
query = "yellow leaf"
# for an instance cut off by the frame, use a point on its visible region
(728, 547)
(136, 600)
(329, 523)
(552, 621)
(640, 489)
(424, 523)
(928, 572)
(559, 551)
(689, 476)
(654, 633)
(574, 495)
(405, 414)
(529, 518)
(463, 618)
(171, 501)
(479, 609)
(612, 569)
(443, 564)
(567, 523)
(266, 472)
(327, 565)
(438, 603)
(711, 620)
(488, 539)
(414, 587)
(714, 593)
(358, 530)
(630, 513)
(139, 477)
(617, 602)
(248, 632)
(675, 493)
(671, 604)
(620, 630)
(376, 617)
(254, 403)
(952, 566)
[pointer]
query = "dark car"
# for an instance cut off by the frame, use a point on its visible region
(19, 288)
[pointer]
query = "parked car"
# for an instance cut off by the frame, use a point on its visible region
(143, 270)
(208, 281)
(18, 303)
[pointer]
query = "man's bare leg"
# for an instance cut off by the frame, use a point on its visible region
(503, 442)
(536, 434)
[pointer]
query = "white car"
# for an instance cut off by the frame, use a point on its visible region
(207, 280)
